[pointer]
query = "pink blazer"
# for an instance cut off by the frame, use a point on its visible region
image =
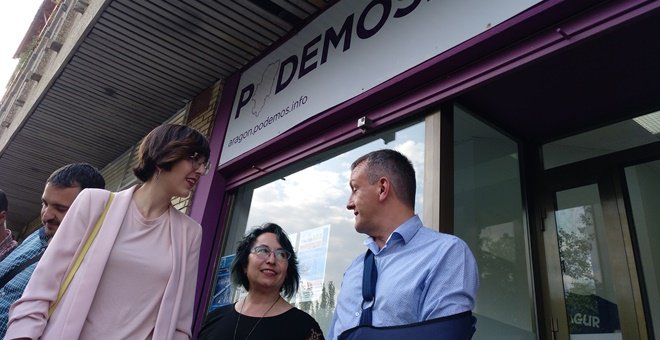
(28, 315)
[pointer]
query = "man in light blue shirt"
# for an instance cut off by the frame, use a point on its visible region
(422, 274)
(62, 188)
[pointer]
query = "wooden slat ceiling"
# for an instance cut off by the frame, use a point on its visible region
(135, 68)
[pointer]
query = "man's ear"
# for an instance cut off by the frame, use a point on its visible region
(384, 187)
(3, 216)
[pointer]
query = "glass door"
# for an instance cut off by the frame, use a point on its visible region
(643, 188)
(590, 263)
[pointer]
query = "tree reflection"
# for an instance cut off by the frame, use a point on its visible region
(323, 307)
(576, 242)
(588, 311)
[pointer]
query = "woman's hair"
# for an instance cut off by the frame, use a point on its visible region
(166, 145)
(238, 267)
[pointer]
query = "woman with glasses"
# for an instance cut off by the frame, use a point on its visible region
(266, 266)
(138, 278)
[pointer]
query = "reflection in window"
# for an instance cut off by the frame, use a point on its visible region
(575, 228)
(608, 139)
(309, 201)
(587, 277)
(488, 215)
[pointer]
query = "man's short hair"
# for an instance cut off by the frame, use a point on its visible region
(4, 204)
(81, 175)
(395, 166)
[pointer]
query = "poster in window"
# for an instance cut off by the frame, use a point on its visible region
(222, 294)
(312, 255)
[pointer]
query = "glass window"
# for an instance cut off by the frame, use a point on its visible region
(616, 137)
(309, 200)
(587, 274)
(489, 216)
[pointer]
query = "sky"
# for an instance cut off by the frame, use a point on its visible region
(15, 19)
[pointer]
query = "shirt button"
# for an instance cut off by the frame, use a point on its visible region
(357, 313)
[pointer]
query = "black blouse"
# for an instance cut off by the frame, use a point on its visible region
(293, 324)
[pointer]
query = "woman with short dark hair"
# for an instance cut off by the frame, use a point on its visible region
(267, 267)
(138, 279)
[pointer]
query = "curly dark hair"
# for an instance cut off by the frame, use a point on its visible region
(238, 275)
(166, 145)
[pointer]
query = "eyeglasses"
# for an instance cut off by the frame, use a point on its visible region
(264, 252)
(198, 160)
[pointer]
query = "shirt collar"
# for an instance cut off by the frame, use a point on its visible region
(409, 228)
(404, 232)
(42, 235)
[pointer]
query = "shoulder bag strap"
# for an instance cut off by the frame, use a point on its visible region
(81, 256)
(10, 274)
(369, 278)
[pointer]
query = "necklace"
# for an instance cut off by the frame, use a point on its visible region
(257, 323)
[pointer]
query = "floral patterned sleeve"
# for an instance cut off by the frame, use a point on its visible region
(308, 327)
(315, 333)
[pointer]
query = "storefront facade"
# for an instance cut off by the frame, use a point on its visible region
(530, 129)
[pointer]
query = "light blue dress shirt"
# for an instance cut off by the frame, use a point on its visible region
(33, 245)
(422, 274)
